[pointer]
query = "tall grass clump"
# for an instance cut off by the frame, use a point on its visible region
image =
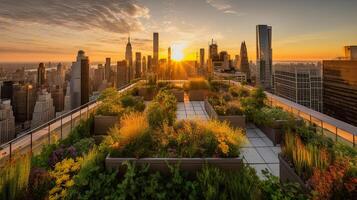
(14, 177)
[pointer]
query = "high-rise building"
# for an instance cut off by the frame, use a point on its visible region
(57, 94)
(99, 77)
(129, 60)
(340, 89)
(202, 57)
(41, 75)
(23, 103)
(122, 71)
(67, 99)
(149, 64)
(144, 66)
(169, 56)
(6, 89)
(264, 56)
(44, 110)
(213, 51)
(137, 65)
(155, 61)
(7, 122)
(107, 69)
(300, 83)
(80, 81)
(244, 64)
(60, 74)
(351, 52)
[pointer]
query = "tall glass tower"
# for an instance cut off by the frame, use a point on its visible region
(264, 56)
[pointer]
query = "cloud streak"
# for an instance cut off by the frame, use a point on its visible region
(118, 16)
(223, 6)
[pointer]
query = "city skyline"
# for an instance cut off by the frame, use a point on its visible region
(54, 31)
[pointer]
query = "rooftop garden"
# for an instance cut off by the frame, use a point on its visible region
(81, 166)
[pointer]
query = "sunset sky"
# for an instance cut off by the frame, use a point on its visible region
(54, 30)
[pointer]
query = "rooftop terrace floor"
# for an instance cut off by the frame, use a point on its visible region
(259, 152)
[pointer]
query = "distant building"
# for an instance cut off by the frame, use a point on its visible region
(122, 71)
(137, 65)
(351, 52)
(57, 94)
(264, 56)
(107, 69)
(80, 81)
(60, 74)
(340, 89)
(202, 57)
(243, 60)
(67, 99)
(129, 60)
(149, 64)
(41, 75)
(44, 110)
(213, 51)
(7, 122)
(144, 66)
(300, 83)
(23, 102)
(156, 58)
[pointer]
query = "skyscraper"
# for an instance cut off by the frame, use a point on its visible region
(137, 65)
(340, 89)
(155, 61)
(122, 71)
(144, 66)
(202, 57)
(41, 75)
(44, 110)
(213, 51)
(300, 83)
(107, 69)
(60, 74)
(149, 64)
(169, 56)
(80, 81)
(7, 122)
(23, 102)
(129, 60)
(264, 56)
(244, 64)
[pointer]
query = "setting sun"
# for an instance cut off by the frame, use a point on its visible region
(177, 52)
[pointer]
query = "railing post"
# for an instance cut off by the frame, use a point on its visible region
(354, 141)
(336, 133)
(87, 111)
(10, 150)
(71, 122)
(49, 134)
(31, 142)
(61, 128)
(322, 128)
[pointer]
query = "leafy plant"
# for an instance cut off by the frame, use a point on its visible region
(196, 84)
(39, 184)
(219, 86)
(239, 91)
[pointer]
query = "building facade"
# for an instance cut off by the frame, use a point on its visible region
(138, 65)
(7, 122)
(122, 71)
(41, 75)
(155, 60)
(243, 60)
(129, 60)
(340, 89)
(44, 110)
(80, 81)
(264, 56)
(300, 83)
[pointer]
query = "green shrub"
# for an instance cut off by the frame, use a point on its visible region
(39, 184)
(108, 93)
(42, 160)
(238, 91)
(197, 84)
(162, 109)
(84, 145)
(219, 86)
(108, 108)
(155, 115)
(134, 103)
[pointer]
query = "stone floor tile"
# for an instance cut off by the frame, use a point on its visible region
(268, 154)
(252, 156)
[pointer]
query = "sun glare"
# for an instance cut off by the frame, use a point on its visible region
(177, 52)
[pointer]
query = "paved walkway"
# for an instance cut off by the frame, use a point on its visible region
(259, 152)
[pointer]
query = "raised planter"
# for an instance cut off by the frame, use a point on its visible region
(288, 174)
(197, 95)
(237, 121)
(273, 133)
(102, 124)
(179, 94)
(186, 164)
(148, 94)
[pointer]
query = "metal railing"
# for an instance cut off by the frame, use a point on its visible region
(50, 132)
(328, 126)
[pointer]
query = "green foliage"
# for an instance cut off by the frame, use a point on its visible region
(217, 184)
(269, 116)
(39, 184)
(108, 108)
(14, 177)
(197, 84)
(108, 93)
(225, 106)
(162, 110)
(134, 103)
(219, 86)
(272, 189)
(238, 91)
(79, 132)
(42, 160)
(84, 145)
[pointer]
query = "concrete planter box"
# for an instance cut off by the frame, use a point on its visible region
(273, 133)
(288, 174)
(197, 95)
(179, 94)
(102, 124)
(147, 93)
(186, 164)
(236, 121)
